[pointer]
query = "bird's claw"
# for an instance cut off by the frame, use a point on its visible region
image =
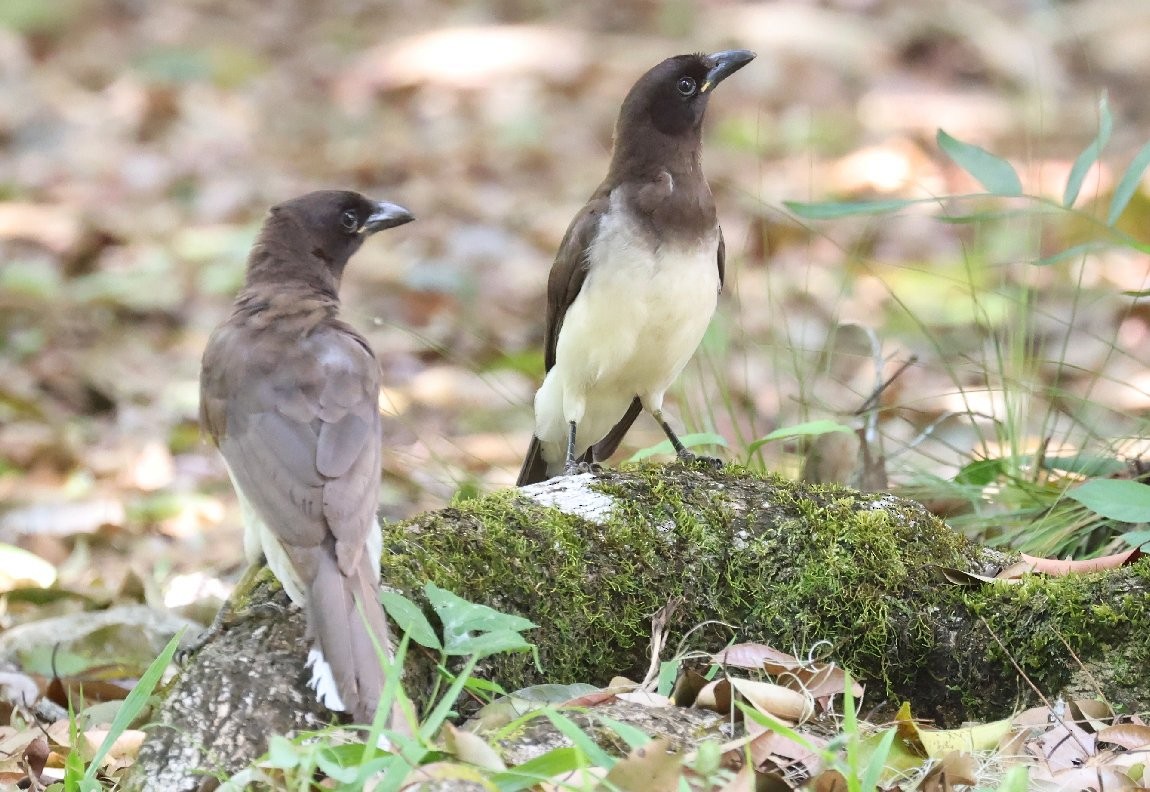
(578, 468)
(700, 460)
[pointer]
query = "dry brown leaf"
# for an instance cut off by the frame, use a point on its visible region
(756, 656)
(769, 749)
(775, 700)
(1035, 717)
(957, 768)
(687, 687)
(1131, 736)
(651, 768)
(1056, 567)
(744, 781)
(715, 695)
(961, 577)
(1012, 747)
(821, 681)
(646, 698)
(1092, 715)
(14, 746)
(830, 781)
(1064, 746)
(471, 748)
(592, 699)
(1097, 779)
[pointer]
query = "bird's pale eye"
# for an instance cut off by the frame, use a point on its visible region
(349, 220)
(686, 86)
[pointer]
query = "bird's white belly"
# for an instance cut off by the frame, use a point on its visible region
(637, 320)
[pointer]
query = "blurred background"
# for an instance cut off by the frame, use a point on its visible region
(142, 141)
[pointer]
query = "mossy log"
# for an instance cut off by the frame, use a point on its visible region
(754, 558)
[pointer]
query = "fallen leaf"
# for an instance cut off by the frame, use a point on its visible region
(755, 657)
(715, 695)
(957, 768)
(650, 768)
(471, 748)
(820, 681)
(1097, 779)
(744, 781)
(1055, 567)
(775, 700)
(1131, 736)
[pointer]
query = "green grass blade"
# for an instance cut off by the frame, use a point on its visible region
(991, 171)
(555, 762)
(877, 763)
(443, 707)
(580, 739)
(133, 705)
(634, 737)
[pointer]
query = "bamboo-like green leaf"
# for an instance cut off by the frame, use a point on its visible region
(831, 210)
(991, 171)
(692, 440)
(1073, 252)
(806, 429)
(1128, 184)
(1089, 155)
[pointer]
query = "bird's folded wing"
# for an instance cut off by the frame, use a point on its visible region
(302, 441)
(570, 268)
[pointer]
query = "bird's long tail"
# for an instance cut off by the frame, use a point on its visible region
(534, 467)
(348, 624)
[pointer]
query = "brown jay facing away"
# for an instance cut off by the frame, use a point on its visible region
(637, 276)
(289, 393)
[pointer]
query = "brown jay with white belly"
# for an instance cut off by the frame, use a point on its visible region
(637, 276)
(289, 393)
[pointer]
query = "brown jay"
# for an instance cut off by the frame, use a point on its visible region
(289, 393)
(637, 276)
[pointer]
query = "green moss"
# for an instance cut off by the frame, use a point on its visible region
(1059, 629)
(807, 569)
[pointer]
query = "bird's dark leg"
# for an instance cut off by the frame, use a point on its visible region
(572, 467)
(685, 456)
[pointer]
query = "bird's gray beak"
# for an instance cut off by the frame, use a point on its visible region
(725, 63)
(386, 215)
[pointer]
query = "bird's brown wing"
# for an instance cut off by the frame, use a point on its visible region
(568, 272)
(570, 268)
(298, 424)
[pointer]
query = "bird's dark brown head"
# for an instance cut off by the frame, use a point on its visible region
(312, 237)
(669, 101)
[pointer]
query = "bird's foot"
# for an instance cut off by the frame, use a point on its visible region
(700, 460)
(225, 619)
(578, 468)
